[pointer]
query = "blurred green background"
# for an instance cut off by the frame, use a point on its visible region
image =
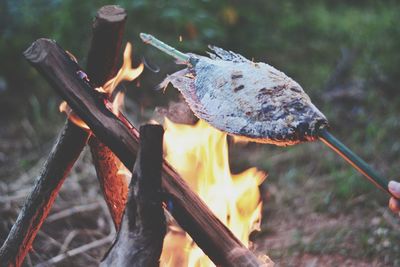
(345, 54)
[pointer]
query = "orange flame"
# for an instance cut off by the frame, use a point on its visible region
(125, 73)
(71, 115)
(200, 155)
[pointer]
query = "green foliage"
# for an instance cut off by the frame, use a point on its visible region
(301, 37)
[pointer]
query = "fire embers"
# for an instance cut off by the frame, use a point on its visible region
(252, 100)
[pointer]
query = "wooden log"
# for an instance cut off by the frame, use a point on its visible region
(113, 185)
(140, 238)
(210, 234)
(108, 28)
(65, 151)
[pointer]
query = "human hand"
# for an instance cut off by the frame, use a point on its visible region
(394, 204)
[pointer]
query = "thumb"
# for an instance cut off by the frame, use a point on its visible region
(394, 188)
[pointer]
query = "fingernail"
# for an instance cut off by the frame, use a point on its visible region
(394, 187)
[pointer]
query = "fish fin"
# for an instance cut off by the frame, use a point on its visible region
(226, 55)
(213, 56)
(163, 85)
(179, 79)
(183, 80)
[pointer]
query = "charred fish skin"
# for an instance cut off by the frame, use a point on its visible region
(252, 100)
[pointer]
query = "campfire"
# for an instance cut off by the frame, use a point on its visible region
(200, 152)
(209, 210)
(171, 196)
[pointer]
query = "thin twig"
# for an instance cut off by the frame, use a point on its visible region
(78, 250)
(29, 260)
(19, 195)
(50, 238)
(58, 244)
(37, 255)
(67, 241)
(110, 221)
(71, 211)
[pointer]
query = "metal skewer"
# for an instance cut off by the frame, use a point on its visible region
(359, 164)
(151, 40)
(173, 52)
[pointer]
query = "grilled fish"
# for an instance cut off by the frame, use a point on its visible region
(240, 97)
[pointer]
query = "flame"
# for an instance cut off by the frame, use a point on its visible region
(71, 115)
(125, 73)
(200, 155)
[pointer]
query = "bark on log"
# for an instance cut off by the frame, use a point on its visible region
(140, 238)
(68, 146)
(210, 234)
(108, 28)
(113, 185)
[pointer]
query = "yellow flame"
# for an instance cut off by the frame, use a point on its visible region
(125, 73)
(200, 155)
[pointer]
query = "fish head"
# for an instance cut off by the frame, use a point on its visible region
(285, 114)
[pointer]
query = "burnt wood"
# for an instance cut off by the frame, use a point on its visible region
(108, 28)
(141, 235)
(210, 234)
(68, 146)
(113, 185)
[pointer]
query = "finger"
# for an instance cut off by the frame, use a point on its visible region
(394, 205)
(394, 188)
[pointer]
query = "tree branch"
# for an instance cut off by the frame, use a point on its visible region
(108, 29)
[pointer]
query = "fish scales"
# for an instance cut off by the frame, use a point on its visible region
(244, 98)
(252, 100)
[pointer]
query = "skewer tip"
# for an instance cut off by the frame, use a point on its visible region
(151, 40)
(146, 38)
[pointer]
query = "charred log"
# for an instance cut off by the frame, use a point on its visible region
(210, 234)
(108, 28)
(140, 238)
(113, 185)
